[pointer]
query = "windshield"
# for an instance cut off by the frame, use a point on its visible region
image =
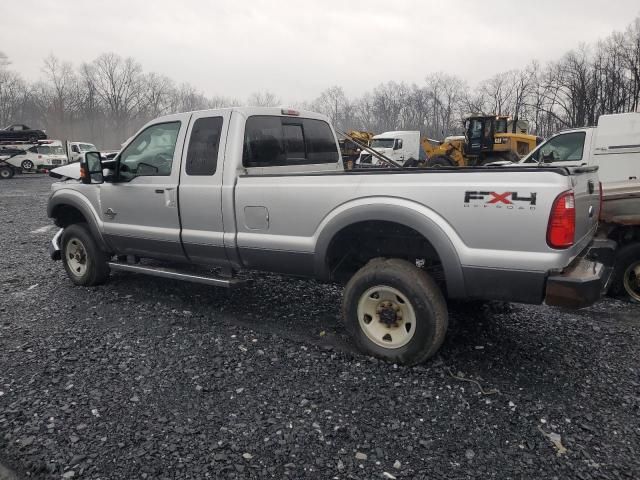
(49, 150)
(382, 143)
(87, 147)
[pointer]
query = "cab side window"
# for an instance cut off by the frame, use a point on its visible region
(202, 155)
(275, 141)
(150, 153)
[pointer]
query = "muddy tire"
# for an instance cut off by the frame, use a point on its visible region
(6, 173)
(83, 260)
(625, 280)
(395, 311)
(440, 161)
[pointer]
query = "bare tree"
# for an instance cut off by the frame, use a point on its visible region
(334, 104)
(156, 95)
(118, 82)
(4, 60)
(263, 99)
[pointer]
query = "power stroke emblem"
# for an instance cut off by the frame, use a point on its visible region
(508, 200)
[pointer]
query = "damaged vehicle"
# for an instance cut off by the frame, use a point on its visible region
(265, 189)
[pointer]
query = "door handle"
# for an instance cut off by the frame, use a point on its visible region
(110, 212)
(159, 190)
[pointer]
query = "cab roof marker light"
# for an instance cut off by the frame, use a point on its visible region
(289, 111)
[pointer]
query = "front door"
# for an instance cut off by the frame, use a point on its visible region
(140, 207)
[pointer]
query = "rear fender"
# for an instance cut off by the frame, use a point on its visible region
(426, 222)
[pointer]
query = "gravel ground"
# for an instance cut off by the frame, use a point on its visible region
(151, 378)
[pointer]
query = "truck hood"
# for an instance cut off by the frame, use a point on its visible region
(71, 170)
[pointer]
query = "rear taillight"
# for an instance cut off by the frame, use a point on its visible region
(562, 221)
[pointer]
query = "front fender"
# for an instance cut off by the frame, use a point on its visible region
(410, 214)
(71, 198)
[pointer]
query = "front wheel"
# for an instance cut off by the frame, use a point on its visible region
(625, 281)
(27, 165)
(395, 311)
(83, 260)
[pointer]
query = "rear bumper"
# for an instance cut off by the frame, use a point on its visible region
(585, 280)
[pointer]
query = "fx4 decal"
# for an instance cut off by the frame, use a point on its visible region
(509, 200)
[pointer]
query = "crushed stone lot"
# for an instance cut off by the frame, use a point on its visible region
(151, 378)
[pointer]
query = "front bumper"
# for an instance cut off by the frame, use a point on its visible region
(585, 280)
(54, 246)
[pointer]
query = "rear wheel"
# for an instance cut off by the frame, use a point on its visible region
(6, 172)
(625, 281)
(440, 161)
(395, 311)
(83, 260)
(27, 165)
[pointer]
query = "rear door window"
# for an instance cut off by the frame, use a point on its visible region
(202, 156)
(275, 141)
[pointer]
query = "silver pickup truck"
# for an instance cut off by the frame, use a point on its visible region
(265, 189)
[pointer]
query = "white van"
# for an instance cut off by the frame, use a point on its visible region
(614, 145)
(398, 146)
(40, 156)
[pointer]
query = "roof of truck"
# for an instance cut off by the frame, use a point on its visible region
(397, 133)
(250, 111)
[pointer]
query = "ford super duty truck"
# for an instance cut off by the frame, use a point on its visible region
(265, 189)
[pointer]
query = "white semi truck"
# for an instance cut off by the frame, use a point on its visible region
(399, 146)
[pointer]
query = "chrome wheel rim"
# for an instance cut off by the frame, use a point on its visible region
(27, 164)
(386, 317)
(631, 281)
(76, 257)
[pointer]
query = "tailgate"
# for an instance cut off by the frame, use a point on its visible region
(586, 187)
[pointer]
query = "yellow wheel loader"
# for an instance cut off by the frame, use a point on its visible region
(486, 139)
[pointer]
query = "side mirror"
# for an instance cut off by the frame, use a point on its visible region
(91, 168)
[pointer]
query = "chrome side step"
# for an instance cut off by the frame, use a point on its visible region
(176, 275)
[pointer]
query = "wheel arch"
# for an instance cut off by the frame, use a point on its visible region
(68, 208)
(406, 214)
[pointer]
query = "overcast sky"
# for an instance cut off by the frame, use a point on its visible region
(297, 48)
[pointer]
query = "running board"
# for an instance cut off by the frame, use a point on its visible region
(176, 275)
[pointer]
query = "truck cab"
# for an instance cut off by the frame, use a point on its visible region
(398, 146)
(613, 145)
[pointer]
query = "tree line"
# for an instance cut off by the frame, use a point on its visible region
(106, 100)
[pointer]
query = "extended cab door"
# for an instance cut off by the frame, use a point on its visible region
(139, 207)
(200, 188)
